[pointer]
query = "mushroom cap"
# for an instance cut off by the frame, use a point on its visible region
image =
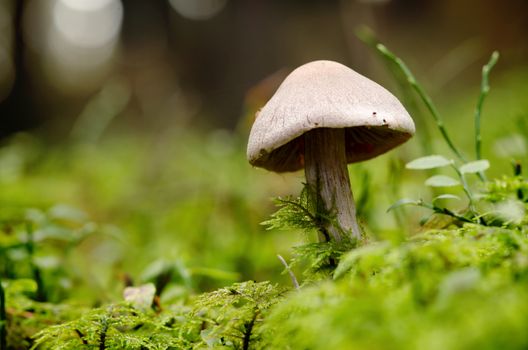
(326, 94)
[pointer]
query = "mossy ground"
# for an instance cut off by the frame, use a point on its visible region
(177, 218)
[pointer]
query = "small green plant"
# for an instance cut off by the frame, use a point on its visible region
(319, 259)
(232, 317)
(298, 213)
(471, 215)
(37, 244)
(118, 326)
(500, 198)
(443, 181)
(24, 316)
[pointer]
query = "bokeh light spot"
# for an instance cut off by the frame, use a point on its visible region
(87, 5)
(198, 9)
(88, 23)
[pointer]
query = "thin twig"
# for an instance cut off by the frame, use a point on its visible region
(248, 329)
(102, 335)
(469, 195)
(444, 211)
(290, 272)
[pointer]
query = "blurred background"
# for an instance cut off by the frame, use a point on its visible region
(208, 62)
(123, 127)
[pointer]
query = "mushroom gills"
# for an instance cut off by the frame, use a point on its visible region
(361, 142)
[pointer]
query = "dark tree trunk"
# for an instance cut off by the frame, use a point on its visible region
(16, 111)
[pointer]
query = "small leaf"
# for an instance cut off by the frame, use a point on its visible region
(475, 167)
(140, 297)
(441, 181)
(429, 162)
(446, 196)
(402, 202)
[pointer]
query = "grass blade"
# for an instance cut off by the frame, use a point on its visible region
(484, 90)
(423, 96)
(406, 92)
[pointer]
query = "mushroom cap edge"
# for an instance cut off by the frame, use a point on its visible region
(326, 94)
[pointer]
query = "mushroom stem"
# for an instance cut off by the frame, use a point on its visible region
(325, 167)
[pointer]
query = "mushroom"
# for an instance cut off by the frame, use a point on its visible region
(323, 116)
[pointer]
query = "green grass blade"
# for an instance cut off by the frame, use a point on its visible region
(406, 92)
(423, 96)
(484, 90)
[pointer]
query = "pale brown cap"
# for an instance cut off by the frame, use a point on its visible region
(326, 94)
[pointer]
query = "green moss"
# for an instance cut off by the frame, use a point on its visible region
(462, 288)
